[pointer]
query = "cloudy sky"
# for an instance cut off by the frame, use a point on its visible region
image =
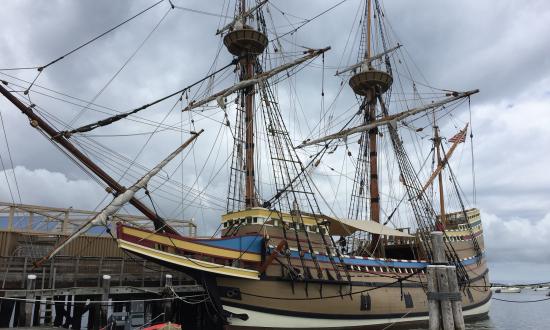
(500, 47)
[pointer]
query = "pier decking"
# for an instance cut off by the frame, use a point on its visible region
(92, 279)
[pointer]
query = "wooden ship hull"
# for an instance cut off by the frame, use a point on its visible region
(254, 282)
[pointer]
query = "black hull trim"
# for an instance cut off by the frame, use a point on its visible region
(340, 316)
(404, 284)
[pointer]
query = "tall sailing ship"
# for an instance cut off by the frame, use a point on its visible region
(284, 258)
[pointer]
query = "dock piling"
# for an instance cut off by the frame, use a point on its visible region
(29, 303)
(167, 304)
(104, 306)
(168, 280)
(444, 298)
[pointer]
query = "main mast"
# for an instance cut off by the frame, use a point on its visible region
(247, 43)
(370, 84)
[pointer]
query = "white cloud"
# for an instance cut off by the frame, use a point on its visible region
(517, 249)
(518, 239)
(43, 187)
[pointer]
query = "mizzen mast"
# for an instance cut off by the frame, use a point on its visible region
(247, 43)
(437, 143)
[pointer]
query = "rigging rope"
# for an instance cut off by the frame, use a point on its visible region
(99, 36)
(110, 120)
(406, 278)
(11, 162)
(41, 68)
(100, 108)
(308, 21)
(121, 68)
(201, 12)
(472, 152)
(11, 159)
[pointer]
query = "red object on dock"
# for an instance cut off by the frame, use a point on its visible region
(164, 326)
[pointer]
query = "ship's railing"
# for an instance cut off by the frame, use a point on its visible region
(456, 220)
(44, 219)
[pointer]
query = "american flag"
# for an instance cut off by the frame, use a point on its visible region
(460, 137)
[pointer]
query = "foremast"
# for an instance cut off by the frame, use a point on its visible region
(247, 43)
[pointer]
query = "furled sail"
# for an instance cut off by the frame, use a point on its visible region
(219, 96)
(119, 201)
(367, 61)
(388, 119)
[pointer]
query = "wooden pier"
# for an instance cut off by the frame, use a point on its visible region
(92, 279)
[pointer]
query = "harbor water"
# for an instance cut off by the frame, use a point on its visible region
(515, 316)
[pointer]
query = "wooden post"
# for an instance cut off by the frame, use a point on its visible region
(104, 306)
(456, 304)
(168, 282)
(24, 272)
(10, 218)
(439, 279)
(99, 271)
(166, 294)
(53, 277)
(433, 305)
(76, 271)
(65, 224)
(438, 248)
(43, 278)
(121, 271)
(30, 296)
(29, 222)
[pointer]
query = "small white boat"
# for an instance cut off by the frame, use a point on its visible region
(542, 288)
(509, 289)
(496, 288)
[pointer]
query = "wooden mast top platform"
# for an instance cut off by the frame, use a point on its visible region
(245, 41)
